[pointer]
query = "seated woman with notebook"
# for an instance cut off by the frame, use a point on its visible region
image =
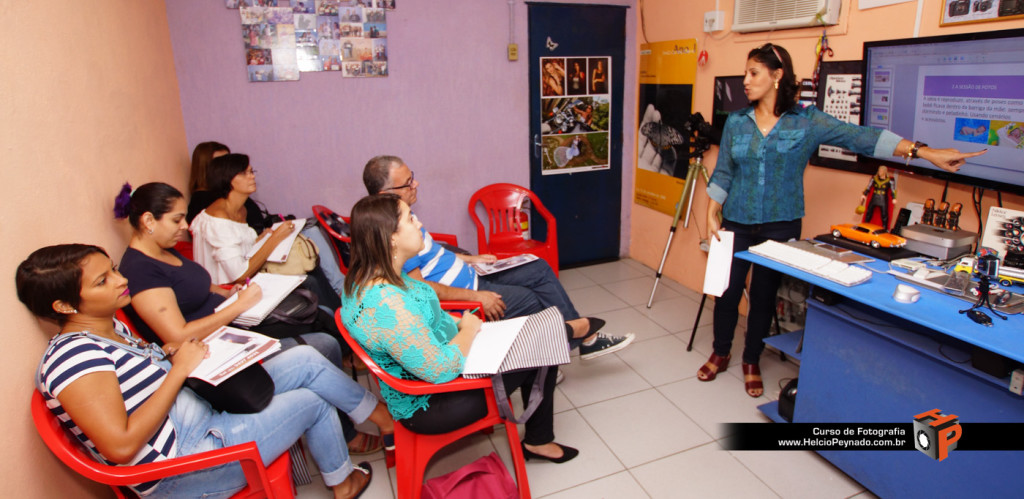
(174, 299)
(256, 214)
(399, 321)
(125, 401)
(222, 238)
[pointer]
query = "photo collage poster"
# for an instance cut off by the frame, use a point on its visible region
(575, 113)
(668, 71)
(284, 38)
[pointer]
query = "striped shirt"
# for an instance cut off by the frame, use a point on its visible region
(437, 264)
(73, 355)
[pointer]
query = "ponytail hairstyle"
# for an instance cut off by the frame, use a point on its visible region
(155, 197)
(775, 57)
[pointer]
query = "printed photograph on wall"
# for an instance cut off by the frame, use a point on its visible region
(552, 76)
(574, 120)
(668, 71)
(576, 79)
(348, 36)
(597, 69)
(268, 34)
(979, 11)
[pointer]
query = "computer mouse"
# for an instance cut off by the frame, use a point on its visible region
(906, 294)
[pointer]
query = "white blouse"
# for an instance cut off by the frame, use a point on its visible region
(220, 246)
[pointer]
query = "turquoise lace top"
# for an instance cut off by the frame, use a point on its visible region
(407, 334)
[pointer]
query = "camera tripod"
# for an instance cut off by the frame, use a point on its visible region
(699, 132)
(685, 201)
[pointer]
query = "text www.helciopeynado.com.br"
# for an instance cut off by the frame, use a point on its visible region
(815, 436)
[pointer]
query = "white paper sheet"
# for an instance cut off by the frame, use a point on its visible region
(491, 345)
(716, 276)
(280, 253)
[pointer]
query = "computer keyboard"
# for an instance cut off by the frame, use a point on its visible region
(812, 263)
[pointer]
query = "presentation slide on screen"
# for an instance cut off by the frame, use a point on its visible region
(972, 112)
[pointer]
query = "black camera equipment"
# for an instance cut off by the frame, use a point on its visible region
(986, 269)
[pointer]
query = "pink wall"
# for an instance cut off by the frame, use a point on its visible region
(453, 107)
(89, 99)
(831, 195)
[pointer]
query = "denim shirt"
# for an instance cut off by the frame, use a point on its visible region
(760, 179)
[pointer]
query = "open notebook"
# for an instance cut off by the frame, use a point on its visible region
(232, 350)
(275, 288)
(280, 253)
(512, 344)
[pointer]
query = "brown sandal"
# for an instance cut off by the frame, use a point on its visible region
(368, 445)
(752, 379)
(715, 364)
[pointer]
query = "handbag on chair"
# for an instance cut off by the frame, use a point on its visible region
(302, 258)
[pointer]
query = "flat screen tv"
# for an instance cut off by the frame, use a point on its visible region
(964, 91)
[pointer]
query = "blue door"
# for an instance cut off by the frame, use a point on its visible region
(576, 56)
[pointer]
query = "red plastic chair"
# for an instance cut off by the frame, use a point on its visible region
(185, 248)
(324, 214)
(504, 235)
(413, 450)
(274, 481)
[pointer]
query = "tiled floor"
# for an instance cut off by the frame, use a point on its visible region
(644, 425)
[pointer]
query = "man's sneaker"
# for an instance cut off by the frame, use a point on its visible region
(559, 378)
(605, 344)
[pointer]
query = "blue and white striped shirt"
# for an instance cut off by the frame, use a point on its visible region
(73, 355)
(437, 264)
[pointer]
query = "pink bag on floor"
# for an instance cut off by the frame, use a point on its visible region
(485, 478)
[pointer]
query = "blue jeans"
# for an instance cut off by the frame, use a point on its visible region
(528, 289)
(307, 389)
(764, 284)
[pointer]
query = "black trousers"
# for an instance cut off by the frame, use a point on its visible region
(764, 284)
(453, 410)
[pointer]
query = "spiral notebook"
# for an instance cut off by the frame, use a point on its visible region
(275, 288)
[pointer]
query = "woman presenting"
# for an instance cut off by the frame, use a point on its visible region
(756, 190)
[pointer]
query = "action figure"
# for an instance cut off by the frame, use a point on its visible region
(940, 215)
(929, 212)
(881, 194)
(953, 219)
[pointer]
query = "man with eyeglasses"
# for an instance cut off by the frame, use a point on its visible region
(515, 292)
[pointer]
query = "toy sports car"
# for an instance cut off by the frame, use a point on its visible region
(870, 234)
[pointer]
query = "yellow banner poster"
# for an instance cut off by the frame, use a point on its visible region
(668, 71)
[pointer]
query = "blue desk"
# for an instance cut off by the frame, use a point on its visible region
(873, 359)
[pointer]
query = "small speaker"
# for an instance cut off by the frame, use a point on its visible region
(902, 219)
(787, 400)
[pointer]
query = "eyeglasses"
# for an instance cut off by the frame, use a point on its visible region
(249, 171)
(412, 178)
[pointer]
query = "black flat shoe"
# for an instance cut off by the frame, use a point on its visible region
(568, 453)
(595, 326)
